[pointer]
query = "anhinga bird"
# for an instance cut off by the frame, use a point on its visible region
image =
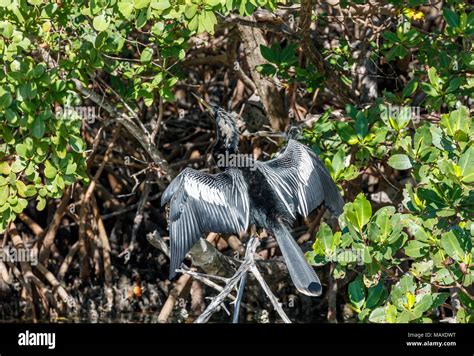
(267, 194)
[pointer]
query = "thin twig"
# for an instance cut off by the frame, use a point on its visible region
(137, 221)
(247, 265)
(238, 300)
(175, 293)
(159, 119)
(231, 283)
(205, 279)
(276, 304)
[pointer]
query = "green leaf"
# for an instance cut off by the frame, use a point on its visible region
(42, 192)
(422, 268)
(100, 23)
(418, 231)
(380, 226)
(41, 203)
(401, 318)
(439, 299)
(125, 8)
(49, 170)
(400, 162)
(347, 133)
(146, 55)
(374, 295)
(213, 2)
(38, 127)
(268, 54)
(60, 182)
(21, 188)
(18, 165)
(26, 91)
(338, 162)
(457, 120)
(4, 194)
(397, 51)
(71, 168)
(429, 89)
(416, 249)
(465, 299)
(410, 300)
(452, 18)
(377, 315)
(407, 284)
(142, 18)
(422, 140)
(351, 218)
(30, 191)
(433, 77)
(190, 11)
(454, 84)
(390, 36)
(362, 209)
(140, 4)
(22, 150)
(455, 245)
(403, 117)
(410, 88)
(77, 144)
(357, 293)
(325, 237)
(466, 163)
(5, 98)
(424, 304)
(5, 168)
(20, 205)
(6, 29)
(443, 276)
(288, 54)
(209, 20)
(160, 4)
(391, 314)
(193, 24)
(361, 125)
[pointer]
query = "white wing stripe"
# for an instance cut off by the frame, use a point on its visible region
(301, 180)
(202, 203)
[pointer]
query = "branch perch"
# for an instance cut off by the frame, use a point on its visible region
(247, 265)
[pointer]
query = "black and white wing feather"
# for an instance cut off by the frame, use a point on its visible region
(202, 203)
(300, 176)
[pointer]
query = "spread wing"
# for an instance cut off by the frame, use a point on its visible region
(303, 180)
(202, 203)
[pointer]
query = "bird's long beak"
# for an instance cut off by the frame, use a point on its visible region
(204, 103)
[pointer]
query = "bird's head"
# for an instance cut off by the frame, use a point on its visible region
(212, 109)
(226, 123)
(293, 132)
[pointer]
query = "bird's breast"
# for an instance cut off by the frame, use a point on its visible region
(265, 204)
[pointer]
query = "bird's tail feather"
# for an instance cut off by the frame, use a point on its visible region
(302, 274)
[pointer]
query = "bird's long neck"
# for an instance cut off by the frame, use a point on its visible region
(227, 142)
